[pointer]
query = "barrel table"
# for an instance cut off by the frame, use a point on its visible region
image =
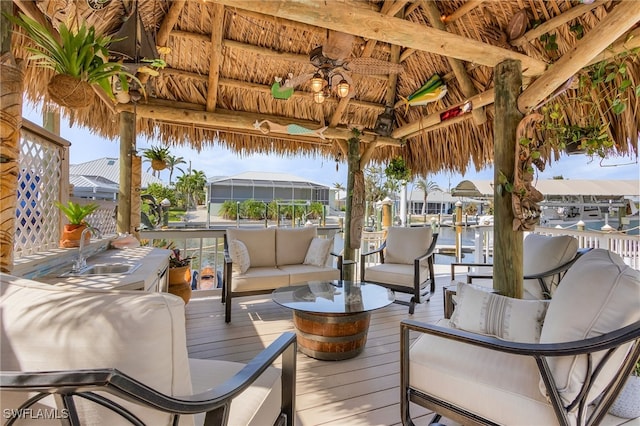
(332, 317)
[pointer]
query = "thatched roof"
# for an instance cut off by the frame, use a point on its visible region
(225, 55)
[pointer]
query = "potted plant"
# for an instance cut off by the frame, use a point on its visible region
(80, 60)
(76, 214)
(180, 275)
(627, 404)
(158, 156)
(398, 171)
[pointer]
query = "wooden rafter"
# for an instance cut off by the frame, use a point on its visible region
(556, 21)
(624, 16)
(169, 22)
(461, 11)
(468, 88)
(217, 25)
(478, 101)
(236, 120)
(626, 43)
(375, 25)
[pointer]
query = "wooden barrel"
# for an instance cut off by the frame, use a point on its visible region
(331, 337)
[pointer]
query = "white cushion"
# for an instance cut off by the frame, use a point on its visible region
(487, 313)
(47, 327)
(301, 273)
(395, 273)
(404, 245)
(318, 251)
(544, 253)
(239, 256)
(474, 378)
(264, 278)
(598, 294)
(292, 244)
(260, 242)
(256, 406)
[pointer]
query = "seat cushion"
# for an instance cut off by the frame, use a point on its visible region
(263, 278)
(491, 314)
(395, 273)
(404, 245)
(544, 253)
(260, 242)
(47, 327)
(256, 406)
(302, 273)
(292, 244)
(598, 294)
(474, 378)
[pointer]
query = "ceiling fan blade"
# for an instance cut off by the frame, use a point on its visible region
(338, 45)
(297, 80)
(371, 66)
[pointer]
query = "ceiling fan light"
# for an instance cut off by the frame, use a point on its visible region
(343, 88)
(318, 97)
(317, 82)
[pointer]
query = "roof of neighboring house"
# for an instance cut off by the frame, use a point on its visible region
(266, 179)
(108, 169)
(613, 188)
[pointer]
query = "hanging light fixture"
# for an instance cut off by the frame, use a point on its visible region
(317, 83)
(343, 88)
(318, 97)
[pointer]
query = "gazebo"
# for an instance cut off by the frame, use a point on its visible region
(344, 80)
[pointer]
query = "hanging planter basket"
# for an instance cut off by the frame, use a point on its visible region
(158, 165)
(68, 91)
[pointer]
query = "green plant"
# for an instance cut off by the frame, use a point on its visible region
(397, 170)
(82, 55)
(636, 370)
(75, 212)
(160, 153)
(177, 261)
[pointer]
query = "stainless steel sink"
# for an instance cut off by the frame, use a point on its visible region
(105, 269)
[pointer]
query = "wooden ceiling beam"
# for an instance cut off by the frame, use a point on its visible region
(169, 22)
(238, 121)
(555, 22)
(468, 88)
(461, 11)
(478, 101)
(626, 43)
(217, 26)
(623, 16)
(374, 25)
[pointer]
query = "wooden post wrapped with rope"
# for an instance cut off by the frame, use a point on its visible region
(11, 81)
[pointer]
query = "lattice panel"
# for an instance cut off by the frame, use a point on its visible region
(39, 178)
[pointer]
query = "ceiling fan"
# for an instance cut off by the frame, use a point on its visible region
(334, 67)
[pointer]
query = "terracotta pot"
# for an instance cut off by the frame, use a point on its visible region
(71, 236)
(180, 282)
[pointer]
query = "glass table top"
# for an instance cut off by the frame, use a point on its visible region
(337, 297)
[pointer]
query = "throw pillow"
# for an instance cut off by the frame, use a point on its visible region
(318, 251)
(487, 313)
(239, 256)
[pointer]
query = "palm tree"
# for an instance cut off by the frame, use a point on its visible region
(172, 163)
(192, 186)
(426, 186)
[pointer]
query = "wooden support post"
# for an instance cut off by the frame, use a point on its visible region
(11, 81)
(354, 212)
(127, 145)
(507, 243)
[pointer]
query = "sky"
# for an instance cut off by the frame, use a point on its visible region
(218, 161)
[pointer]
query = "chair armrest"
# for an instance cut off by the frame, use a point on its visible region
(214, 401)
(430, 250)
(378, 250)
(339, 263)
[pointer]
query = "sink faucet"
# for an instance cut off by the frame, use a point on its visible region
(81, 262)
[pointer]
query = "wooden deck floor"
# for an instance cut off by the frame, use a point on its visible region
(360, 391)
